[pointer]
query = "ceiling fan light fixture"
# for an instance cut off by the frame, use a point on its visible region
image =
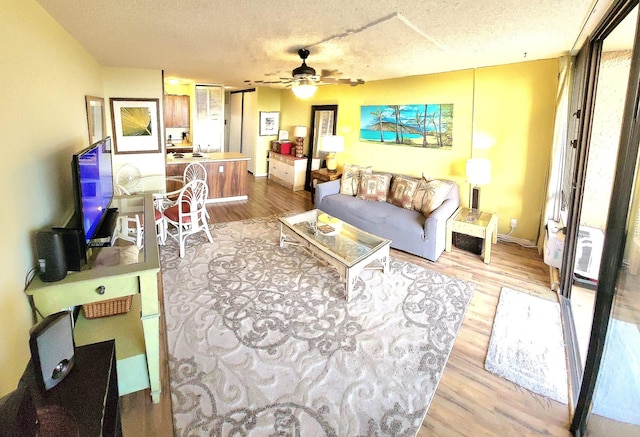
(304, 91)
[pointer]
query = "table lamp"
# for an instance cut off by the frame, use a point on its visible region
(478, 173)
(299, 132)
(332, 144)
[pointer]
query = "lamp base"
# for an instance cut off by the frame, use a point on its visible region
(332, 164)
(299, 147)
(474, 204)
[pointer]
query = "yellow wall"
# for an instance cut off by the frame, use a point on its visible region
(268, 100)
(515, 105)
(45, 76)
(512, 104)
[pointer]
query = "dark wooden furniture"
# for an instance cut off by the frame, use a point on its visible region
(176, 111)
(87, 398)
(321, 175)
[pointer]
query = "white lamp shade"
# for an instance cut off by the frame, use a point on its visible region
(299, 131)
(332, 143)
(478, 171)
(304, 91)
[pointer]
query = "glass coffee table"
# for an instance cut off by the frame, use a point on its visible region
(346, 248)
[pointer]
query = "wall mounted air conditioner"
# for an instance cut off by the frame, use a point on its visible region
(588, 252)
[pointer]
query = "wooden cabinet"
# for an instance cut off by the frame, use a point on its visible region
(287, 170)
(176, 111)
(137, 332)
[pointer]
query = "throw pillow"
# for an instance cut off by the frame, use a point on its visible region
(402, 191)
(351, 178)
(430, 195)
(374, 187)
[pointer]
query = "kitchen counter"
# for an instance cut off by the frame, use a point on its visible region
(206, 157)
(226, 173)
(179, 147)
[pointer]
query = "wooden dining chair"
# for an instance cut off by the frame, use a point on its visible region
(188, 215)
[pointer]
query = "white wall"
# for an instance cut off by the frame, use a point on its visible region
(605, 137)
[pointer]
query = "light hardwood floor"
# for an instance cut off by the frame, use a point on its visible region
(469, 401)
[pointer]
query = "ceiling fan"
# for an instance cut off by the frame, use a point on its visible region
(305, 75)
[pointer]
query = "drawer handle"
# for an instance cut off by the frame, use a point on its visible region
(101, 289)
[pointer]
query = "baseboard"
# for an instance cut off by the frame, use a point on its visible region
(520, 241)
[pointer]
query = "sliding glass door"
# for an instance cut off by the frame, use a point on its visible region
(609, 398)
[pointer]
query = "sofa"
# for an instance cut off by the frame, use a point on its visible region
(399, 214)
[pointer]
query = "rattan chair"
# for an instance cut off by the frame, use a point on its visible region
(188, 215)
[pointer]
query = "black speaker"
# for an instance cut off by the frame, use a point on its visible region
(51, 256)
(75, 249)
(52, 349)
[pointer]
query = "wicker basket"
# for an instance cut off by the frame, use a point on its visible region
(106, 308)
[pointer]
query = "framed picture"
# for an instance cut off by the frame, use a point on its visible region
(136, 125)
(95, 118)
(269, 123)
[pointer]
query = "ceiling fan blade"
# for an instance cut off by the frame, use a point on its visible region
(330, 73)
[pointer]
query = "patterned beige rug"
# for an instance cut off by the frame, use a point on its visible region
(262, 342)
(527, 346)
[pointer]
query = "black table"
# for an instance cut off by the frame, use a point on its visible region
(85, 403)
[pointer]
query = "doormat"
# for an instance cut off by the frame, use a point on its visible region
(527, 345)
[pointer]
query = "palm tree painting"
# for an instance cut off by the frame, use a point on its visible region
(426, 126)
(136, 122)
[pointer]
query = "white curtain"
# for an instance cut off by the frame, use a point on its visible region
(558, 152)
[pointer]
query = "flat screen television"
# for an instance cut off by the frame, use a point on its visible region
(92, 173)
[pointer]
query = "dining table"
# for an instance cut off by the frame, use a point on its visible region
(158, 185)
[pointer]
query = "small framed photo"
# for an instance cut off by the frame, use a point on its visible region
(136, 125)
(269, 123)
(95, 118)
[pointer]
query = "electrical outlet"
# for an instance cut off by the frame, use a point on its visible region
(514, 223)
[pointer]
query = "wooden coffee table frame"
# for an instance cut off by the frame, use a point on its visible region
(376, 258)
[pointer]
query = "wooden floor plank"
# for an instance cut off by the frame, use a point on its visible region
(470, 401)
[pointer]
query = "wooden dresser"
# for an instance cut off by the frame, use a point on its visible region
(287, 170)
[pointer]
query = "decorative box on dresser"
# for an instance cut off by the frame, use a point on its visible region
(287, 170)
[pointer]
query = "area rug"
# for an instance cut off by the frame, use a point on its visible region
(527, 345)
(262, 342)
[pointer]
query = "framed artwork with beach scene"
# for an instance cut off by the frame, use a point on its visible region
(428, 126)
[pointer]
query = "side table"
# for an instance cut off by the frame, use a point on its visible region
(321, 175)
(482, 225)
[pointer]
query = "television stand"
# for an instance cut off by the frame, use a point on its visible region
(104, 233)
(137, 332)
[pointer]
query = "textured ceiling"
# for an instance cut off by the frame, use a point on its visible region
(227, 42)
